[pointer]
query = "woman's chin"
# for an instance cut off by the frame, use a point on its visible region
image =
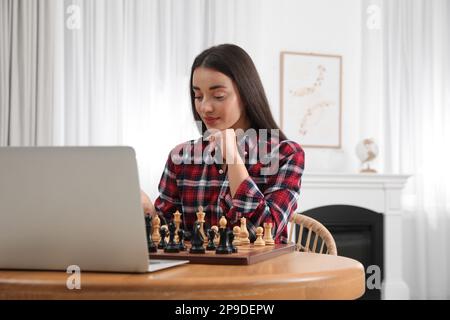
(213, 127)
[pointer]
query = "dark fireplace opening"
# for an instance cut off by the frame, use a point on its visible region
(358, 233)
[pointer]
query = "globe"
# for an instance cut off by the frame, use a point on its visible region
(367, 151)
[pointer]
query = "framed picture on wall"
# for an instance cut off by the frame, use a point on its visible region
(311, 98)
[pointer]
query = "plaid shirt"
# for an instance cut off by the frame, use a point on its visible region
(259, 198)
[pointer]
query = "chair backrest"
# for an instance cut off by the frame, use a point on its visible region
(319, 231)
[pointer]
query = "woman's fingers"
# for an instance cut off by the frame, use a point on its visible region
(226, 140)
(216, 137)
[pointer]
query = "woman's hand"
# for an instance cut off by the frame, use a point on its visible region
(237, 172)
(147, 204)
(226, 140)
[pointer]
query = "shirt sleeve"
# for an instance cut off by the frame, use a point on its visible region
(169, 199)
(279, 200)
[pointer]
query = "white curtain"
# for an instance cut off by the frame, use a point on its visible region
(110, 72)
(27, 71)
(413, 117)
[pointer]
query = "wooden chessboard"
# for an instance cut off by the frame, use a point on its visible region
(247, 254)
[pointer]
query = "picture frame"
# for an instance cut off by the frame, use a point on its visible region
(311, 98)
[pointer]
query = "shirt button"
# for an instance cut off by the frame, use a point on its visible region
(220, 171)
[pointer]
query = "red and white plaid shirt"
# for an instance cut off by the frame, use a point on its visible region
(259, 198)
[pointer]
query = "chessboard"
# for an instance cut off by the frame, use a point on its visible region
(246, 255)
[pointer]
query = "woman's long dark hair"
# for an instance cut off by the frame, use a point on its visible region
(235, 63)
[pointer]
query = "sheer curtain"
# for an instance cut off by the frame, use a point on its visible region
(110, 72)
(28, 30)
(413, 51)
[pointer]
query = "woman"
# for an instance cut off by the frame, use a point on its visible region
(229, 101)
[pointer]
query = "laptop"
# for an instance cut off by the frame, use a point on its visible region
(64, 206)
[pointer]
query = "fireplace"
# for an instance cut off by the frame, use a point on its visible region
(358, 233)
(363, 212)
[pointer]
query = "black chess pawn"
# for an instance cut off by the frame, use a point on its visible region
(163, 232)
(230, 242)
(181, 245)
(223, 247)
(211, 235)
(197, 240)
(148, 230)
(172, 247)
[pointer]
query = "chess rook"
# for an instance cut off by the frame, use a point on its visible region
(268, 234)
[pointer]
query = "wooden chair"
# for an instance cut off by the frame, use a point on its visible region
(320, 232)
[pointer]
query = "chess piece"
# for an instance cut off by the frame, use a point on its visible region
(243, 237)
(167, 233)
(268, 234)
(162, 242)
(156, 224)
(148, 230)
(230, 242)
(197, 240)
(211, 235)
(172, 247)
(216, 238)
(222, 222)
(259, 240)
(180, 235)
(177, 221)
(236, 232)
(201, 220)
(224, 246)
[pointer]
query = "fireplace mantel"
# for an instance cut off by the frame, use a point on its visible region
(378, 192)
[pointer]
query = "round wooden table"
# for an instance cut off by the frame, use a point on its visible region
(294, 275)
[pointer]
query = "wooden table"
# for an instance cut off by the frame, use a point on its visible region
(294, 275)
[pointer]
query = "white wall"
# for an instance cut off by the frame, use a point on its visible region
(320, 26)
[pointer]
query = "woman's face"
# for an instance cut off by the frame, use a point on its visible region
(217, 100)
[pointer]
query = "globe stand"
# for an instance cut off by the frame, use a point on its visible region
(367, 169)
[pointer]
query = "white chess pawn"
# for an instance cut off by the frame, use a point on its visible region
(243, 237)
(268, 234)
(236, 233)
(156, 224)
(259, 240)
